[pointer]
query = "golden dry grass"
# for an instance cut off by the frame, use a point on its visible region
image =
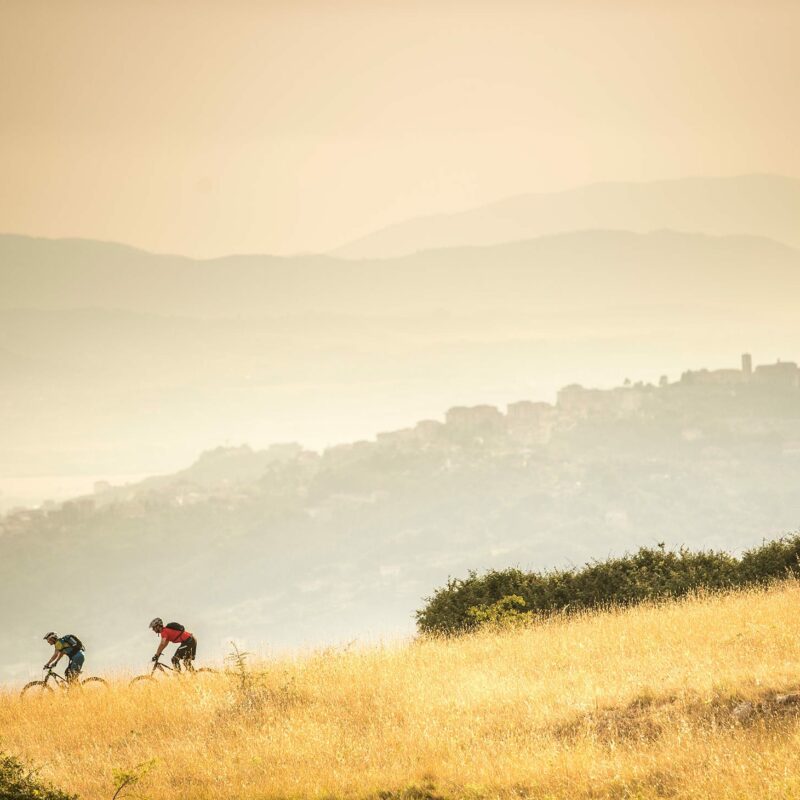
(622, 704)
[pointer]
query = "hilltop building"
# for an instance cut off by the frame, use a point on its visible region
(475, 421)
(576, 402)
(734, 392)
(526, 413)
(530, 422)
(720, 377)
(782, 373)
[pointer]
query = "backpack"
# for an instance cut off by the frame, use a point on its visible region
(175, 626)
(75, 644)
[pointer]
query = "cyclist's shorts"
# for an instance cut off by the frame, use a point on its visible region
(187, 651)
(76, 662)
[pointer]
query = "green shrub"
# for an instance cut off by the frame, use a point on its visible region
(505, 613)
(648, 574)
(776, 559)
(18, 783)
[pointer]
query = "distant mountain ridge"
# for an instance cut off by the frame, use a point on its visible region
(580, 269)
(760, 205)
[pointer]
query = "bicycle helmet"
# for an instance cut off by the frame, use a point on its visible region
(51, 635)
(156, 623)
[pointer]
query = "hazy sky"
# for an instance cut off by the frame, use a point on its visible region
(208, 128)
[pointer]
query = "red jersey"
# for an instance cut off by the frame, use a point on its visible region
(173, 636)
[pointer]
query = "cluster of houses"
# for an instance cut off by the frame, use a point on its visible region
(534, 422)
(229, 476)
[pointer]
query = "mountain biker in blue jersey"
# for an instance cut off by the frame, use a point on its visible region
(69, 646)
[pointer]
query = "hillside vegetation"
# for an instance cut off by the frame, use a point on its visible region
(632, 703)
(648, 574)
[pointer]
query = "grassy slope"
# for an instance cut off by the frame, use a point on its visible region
(629, 704)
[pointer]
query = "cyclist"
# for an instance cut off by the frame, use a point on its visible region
(69, 646)
(175, 633)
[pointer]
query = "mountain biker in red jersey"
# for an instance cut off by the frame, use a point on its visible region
(175, 633)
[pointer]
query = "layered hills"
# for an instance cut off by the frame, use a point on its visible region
(759, 205)
(578, 271)
(118, 361)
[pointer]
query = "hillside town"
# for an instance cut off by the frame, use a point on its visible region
(705, 409)
(361, 531)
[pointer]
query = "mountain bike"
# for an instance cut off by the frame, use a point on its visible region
(45, 687)
(160, 669)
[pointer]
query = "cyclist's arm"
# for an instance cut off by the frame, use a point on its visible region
(161, 646)
(55, 658)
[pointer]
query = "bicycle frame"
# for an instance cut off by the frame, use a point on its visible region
(158, 666)
(59, 680)
(161, 667)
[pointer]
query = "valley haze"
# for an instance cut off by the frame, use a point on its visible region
(149, 359)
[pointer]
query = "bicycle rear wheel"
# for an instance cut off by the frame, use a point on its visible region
(36, 689)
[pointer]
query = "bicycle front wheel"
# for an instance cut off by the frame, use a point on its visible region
(36, 689)
(94, 684)
(203, 675)
(142, 680)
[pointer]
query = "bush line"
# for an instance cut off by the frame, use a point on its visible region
(648, 574)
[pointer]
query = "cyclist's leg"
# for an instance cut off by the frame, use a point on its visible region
(185, 653)
(191, 652)
(72, 672)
